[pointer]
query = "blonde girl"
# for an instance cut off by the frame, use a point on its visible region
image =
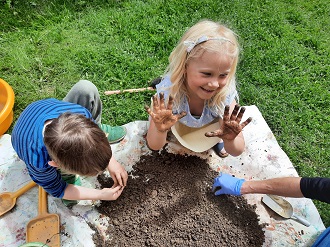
(200, 89)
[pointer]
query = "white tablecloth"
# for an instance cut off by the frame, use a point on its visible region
(263, 158)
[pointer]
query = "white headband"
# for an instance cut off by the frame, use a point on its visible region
(191, 44)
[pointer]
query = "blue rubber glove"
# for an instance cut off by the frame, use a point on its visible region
(227, 184)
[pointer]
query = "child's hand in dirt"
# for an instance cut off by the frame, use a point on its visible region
(117, 172)
(231, 126)
(161, 115)
(110, 194)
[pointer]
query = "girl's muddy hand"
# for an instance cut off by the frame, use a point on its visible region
(161, 114)
(231, 126)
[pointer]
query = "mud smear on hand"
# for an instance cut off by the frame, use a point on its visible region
(168, 202)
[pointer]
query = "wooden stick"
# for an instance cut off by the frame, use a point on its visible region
(133, 90)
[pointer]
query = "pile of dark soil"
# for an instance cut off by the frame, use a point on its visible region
(168, 202)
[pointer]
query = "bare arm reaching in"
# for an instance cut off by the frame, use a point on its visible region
(314, 188)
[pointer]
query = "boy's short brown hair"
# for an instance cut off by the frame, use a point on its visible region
(77, 145)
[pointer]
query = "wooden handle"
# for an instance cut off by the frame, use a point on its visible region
(24, 189)
(133, 90)
(42, 209)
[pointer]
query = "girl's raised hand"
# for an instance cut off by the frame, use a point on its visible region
(231, 125)
(161, 115)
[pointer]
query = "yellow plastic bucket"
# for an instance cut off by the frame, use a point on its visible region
(7, 99)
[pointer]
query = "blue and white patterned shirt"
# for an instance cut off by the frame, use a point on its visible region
(208, 115)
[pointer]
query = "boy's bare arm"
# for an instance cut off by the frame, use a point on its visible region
(74, 192)
(119, 176)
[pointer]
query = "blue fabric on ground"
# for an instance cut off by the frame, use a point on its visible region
(323, 240)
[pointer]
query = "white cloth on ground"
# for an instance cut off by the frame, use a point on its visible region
(263, 158)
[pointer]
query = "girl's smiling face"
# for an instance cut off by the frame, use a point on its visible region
(206, 75)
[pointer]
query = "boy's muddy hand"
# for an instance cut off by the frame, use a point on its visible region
(231, 126)
(161, 115)
(110, 194)
(117, 172)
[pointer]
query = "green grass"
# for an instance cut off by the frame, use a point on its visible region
(47, 46)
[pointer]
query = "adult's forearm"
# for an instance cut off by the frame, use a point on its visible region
(286, 186)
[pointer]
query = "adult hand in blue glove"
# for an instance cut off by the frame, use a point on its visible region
(227, 184)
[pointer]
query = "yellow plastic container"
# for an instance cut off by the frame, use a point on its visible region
(7, 99)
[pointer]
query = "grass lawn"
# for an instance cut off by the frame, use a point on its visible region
(47, 46)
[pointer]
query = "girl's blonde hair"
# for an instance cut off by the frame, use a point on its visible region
(220, 39)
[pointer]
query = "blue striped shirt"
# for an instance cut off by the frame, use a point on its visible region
(27, 140)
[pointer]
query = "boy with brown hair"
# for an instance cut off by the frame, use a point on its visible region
(59, 140)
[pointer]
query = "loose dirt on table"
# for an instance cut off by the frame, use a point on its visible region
(168, 202)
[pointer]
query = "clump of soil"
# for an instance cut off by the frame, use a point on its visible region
(168, 202)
